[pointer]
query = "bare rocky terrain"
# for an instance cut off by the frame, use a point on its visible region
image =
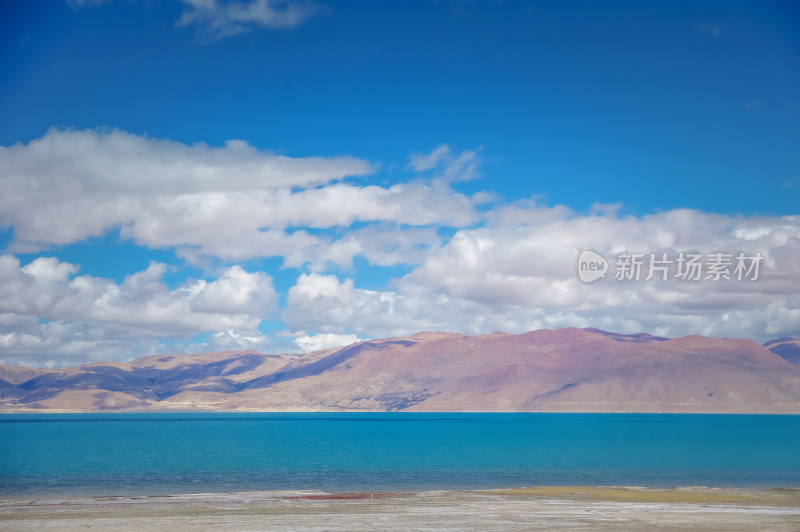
(564, 370)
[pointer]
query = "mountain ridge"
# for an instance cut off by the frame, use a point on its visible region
(548, 370)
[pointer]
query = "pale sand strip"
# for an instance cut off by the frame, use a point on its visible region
(548, 508)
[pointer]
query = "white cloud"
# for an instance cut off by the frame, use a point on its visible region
(234, 202)
(27, 340)
(96, 181)
(117, 161)
(510, 268)
(422, 162)
(96, 314)
(238, 226)
(518, 273)
(529, 269)
(230, 339)
(219, 19)
(236, 292)
(324, 304)
(315, 342)
(381, 245)
(448, 167)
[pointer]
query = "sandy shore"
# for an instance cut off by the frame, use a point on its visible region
(542, 508)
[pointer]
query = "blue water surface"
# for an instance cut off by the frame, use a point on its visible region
(149, 454)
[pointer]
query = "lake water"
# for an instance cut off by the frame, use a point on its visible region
(148, 454)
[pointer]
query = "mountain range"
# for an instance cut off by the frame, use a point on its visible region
(560, 370)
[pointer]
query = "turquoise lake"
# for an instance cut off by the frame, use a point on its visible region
(149, 454)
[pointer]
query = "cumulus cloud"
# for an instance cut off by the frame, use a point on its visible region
(99, 180)
(218, 19)
(233, 202)
(518, 273)
(264, 223)
(30, 341)
(381, 245)
(45, 303)
(230, 339)
(511, 267)
(323, 303)
(117, 161)
(315, 342)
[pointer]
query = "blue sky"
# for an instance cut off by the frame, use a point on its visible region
(448, 142)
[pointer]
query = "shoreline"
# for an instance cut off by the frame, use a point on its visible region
(724, 412)
(531, 508)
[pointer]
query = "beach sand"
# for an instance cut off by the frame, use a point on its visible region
(540, 508)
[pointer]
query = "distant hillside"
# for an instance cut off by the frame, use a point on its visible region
(786, 348)
(565, 370)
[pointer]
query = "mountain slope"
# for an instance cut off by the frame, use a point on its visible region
(548, 370)
(786, 348)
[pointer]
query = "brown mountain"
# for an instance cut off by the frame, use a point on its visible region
(786, 348)
(565, 370)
